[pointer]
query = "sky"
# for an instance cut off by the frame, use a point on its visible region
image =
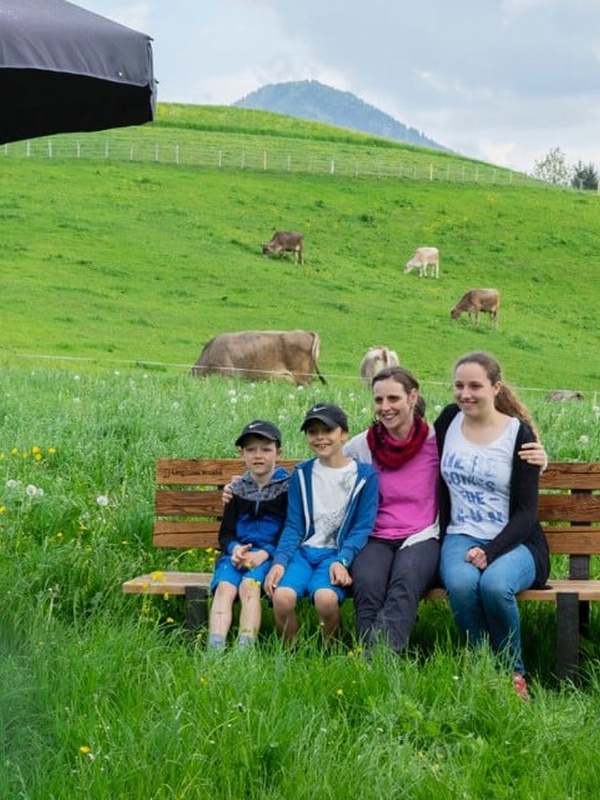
(505, 81)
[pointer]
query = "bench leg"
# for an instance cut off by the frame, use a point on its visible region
(567, 636)
(196, 612)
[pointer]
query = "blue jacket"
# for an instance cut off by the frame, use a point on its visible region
(255, 514)
(356, 526)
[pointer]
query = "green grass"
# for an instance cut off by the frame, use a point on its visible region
(84, 666)
(143, 262)
(119, 272)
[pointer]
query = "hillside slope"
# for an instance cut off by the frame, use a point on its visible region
(140, 261)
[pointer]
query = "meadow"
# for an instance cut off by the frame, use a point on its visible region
(114, 276)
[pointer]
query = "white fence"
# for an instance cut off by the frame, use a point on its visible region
(384, 163)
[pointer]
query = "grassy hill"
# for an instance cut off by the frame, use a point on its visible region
(113, 260)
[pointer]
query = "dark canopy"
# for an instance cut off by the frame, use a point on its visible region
(63, 68)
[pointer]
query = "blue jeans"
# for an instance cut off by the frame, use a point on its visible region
(484, 602)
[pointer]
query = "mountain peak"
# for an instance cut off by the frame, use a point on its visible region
(317, 102)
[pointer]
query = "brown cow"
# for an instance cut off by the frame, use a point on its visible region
(262, 355)
(476, 301)
(286, 241)
(376, 358)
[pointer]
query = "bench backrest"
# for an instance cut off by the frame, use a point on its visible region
(188, 505)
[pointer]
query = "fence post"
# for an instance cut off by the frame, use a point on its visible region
(431, 172)
(106, 149)
(28, 150)
(177, 154)
(264, 160)
(289, 163)
(49, 148)
(332, 167)
(131, 152)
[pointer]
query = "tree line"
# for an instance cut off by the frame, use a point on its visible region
(553, 168)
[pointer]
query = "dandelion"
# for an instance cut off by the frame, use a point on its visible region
(437, 408)
(340, 692)
(59, 535)
(76, 377)
(159, 575)
(203, 681)
(584, 439)
(38, 456)
(52, 450)
(232, 392)
(2, 509)
(170, 620)
(77, 400)
(31, 490)
(85, 749)
(14, 451)
(11, 483)
(175, 404)
(35, 449)
(102, 500)
(39, 492)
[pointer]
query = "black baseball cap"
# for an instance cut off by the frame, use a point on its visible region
(260, 427)
(328, 414)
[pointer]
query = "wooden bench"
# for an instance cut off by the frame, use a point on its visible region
(188, 509)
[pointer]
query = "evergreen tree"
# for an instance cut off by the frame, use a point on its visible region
(585, 176)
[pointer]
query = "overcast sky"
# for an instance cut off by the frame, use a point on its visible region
(500, 80)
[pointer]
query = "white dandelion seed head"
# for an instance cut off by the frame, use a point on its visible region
(175, 404)
(233, 400)
(77, 399)
(11, 483)
(76, 377)
(437, 408)
(584, 439)
(232, 392)
(31, 490)
(39, 492)
(102, 500)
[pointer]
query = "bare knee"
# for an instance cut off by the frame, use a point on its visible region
(326, 602)
(284, 601)
(249, 590)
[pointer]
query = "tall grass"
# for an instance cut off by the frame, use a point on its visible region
(103, 695)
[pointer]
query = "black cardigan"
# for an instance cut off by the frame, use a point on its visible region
(523, 526)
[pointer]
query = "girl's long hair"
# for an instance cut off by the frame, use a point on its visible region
(506, 401)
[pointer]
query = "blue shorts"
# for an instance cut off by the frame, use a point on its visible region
(308, 571)
(225, 571)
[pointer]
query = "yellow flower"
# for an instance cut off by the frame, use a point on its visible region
(340, 692)
(52, 450)
(38, 456)
(36, 449)
(166, 595)
(85, 749)
(14, 451)
(59, 535)
(203, 681)
(159, 575)
(170, 620)
(2, 509)
(2, 456)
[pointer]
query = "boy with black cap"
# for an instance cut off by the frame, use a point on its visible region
(332, 502)
(252, 522)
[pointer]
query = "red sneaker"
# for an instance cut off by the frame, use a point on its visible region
(520, 686)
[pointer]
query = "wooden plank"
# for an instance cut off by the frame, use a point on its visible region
(573, 541)
(571, 475)
(161, 582)
(203, 471)
(186, 539)
(569, 507)
(181, 503)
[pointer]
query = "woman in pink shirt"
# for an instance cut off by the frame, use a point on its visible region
(400, 562)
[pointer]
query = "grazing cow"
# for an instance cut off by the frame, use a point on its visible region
(286, 241)
(476, 301)
(422, 258)
(564, 394)
(262, 355)
(376, 358)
